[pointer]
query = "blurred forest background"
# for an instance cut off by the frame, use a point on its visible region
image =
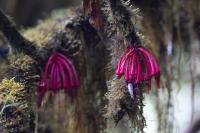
(26, 13)
(169, 28)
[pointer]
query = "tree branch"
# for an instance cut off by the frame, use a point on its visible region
(17, 41)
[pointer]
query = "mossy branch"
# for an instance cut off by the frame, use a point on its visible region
(17, 41)
(123, 20)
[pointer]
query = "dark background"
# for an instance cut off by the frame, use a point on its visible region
(25, 13)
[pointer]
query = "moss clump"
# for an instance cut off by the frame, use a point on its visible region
(121, 104)
(9, 89)
(20, 61)
(14, 115)
(41, 34)
(48, 28)
(117, 97)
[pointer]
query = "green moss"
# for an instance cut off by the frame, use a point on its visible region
(14, 115)
(9, 90)
(3, 68)
(20, 61)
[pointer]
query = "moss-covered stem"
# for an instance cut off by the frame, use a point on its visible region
(123, 21)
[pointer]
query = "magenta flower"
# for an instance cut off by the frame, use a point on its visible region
(59, 73)
(138, 65)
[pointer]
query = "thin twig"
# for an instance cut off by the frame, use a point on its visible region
(8, 105)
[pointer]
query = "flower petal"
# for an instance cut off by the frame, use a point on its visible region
(145, 53)
(122, 62)
(52, 78)
(65, 79)
(127, 70)
(139, 71)
(73, 74)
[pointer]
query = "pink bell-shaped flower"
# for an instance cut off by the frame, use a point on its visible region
(138, 65)
(59, 73)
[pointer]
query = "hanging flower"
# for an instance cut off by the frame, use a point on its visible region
(59, 73)
(138, 65)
